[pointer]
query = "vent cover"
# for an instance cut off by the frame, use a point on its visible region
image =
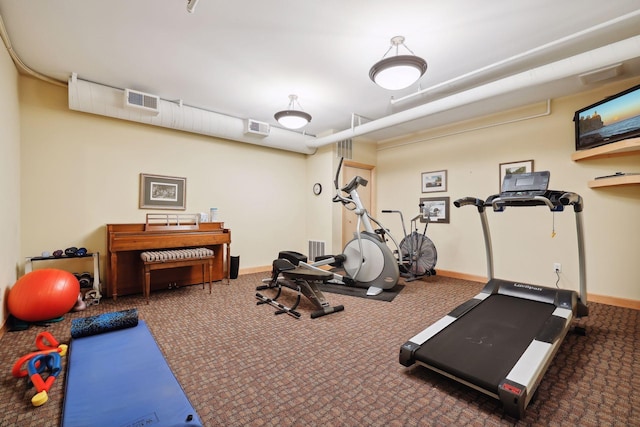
(316, 249)
(141, 101)
(254, 127)
(344, 149)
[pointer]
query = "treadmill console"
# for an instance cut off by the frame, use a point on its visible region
(525, 184)
(530, 189)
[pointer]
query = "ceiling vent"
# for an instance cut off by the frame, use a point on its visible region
(601, 74)
(254, 127)
(142, 101)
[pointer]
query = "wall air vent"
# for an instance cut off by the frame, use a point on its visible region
(254, 127)
(142, 101)
(316, 249)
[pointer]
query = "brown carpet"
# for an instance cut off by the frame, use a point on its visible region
(240, 365)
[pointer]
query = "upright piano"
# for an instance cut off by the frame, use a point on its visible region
(125, 242)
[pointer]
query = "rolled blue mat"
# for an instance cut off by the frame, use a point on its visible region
(106, 322)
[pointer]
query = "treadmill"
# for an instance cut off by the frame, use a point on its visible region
(502, 341)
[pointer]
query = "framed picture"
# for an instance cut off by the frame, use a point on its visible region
(433, 182)
(162, 192)
(522, 166)
(436, 209)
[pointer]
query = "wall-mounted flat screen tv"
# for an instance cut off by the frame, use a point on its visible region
(613, 119)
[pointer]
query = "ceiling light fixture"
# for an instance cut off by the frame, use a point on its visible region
(400, 71)
(292, 118)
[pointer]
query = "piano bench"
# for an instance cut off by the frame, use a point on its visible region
(160, 260)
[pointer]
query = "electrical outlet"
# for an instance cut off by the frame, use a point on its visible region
(557, 267)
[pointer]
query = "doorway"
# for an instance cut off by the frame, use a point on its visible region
(349, 218)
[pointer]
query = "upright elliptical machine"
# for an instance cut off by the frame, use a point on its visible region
(367, 260)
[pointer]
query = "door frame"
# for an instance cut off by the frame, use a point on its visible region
(370, 189)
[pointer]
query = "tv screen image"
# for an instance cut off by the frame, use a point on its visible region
(610, 120)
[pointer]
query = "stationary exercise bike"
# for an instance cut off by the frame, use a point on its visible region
(418, 253)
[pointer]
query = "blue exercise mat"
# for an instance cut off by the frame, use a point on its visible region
(121, 379)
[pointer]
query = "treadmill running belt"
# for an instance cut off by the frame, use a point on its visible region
(483, 345)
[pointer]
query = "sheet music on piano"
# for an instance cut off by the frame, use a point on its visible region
(172, 221)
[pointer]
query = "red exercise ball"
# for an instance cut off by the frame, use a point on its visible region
(43, 294)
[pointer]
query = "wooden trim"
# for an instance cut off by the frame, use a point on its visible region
(4, 327)
(618, 302)
(251, 270)
(599, 299)
(372, 181)
(358, 165)
(463, 276)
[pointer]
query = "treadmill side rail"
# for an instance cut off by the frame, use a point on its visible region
(531, 367)
(556, 326)
(423, 336)
(517, 389)
(408, 349)
(407, 352)
(531, 364)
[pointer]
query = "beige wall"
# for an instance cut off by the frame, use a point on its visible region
(81, 171)
(10, 177)
(522, 243)
(78, 172)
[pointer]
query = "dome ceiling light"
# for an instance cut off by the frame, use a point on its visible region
(292, 118)
(400, 71)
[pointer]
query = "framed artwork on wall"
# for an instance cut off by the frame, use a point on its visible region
(434, 182)
(436, 209)
(162, 192)
(522, 166)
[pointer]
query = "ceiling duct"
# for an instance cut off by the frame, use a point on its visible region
(599, 59)
(104, 100)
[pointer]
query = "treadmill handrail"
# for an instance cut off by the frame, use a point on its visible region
(495, 203)
(563, 198)
(479, 203)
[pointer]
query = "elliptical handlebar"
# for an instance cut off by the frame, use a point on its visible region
(338, 197)
(355, 182)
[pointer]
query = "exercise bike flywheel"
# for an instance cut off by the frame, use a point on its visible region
(419, 254)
